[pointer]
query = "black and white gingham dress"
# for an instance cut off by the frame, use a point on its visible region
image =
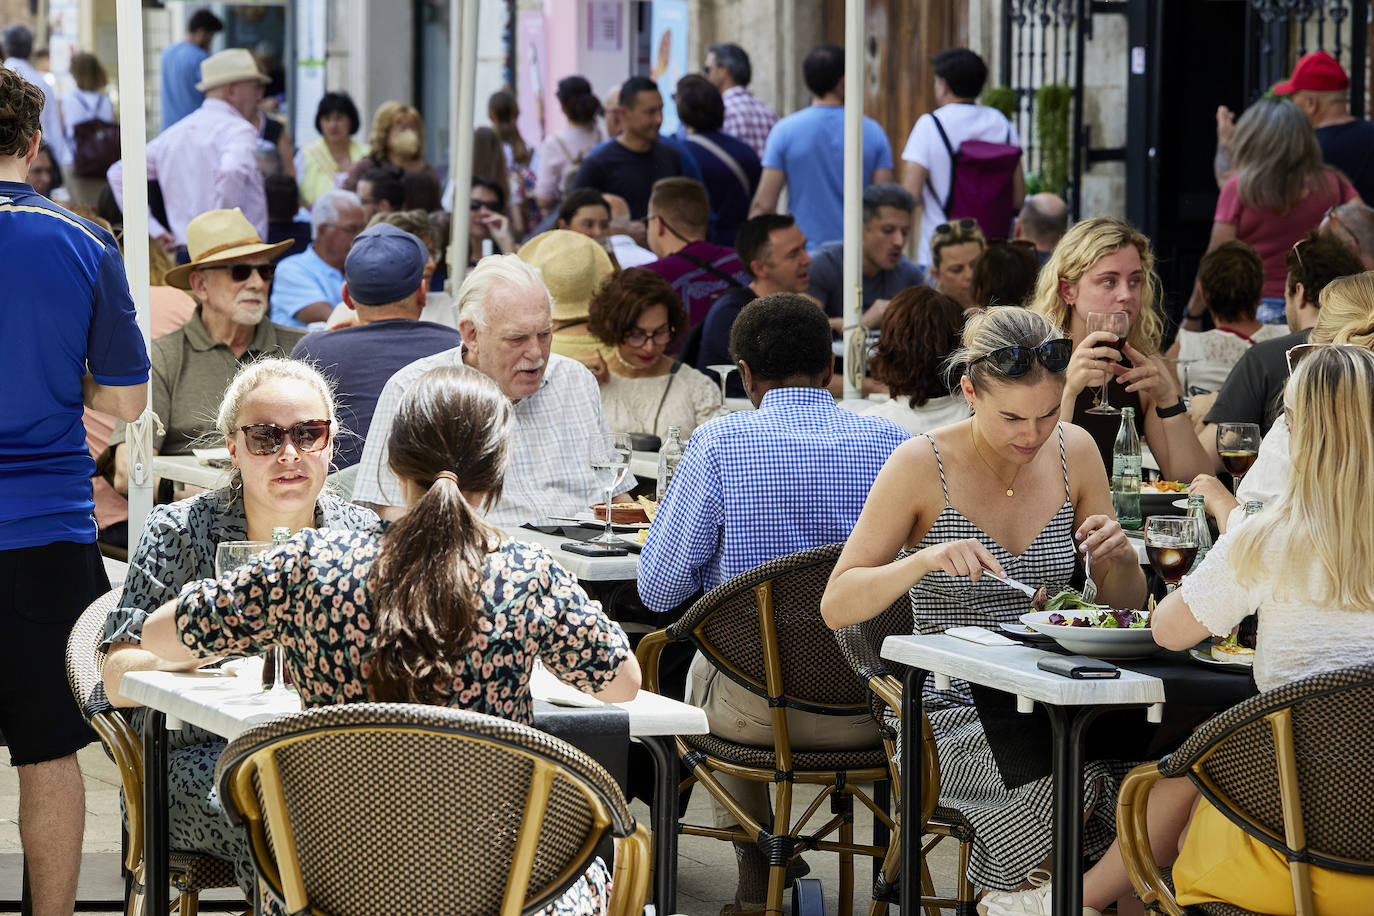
(1012, 826)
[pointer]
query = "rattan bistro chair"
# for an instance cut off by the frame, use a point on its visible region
(1292, 767)
(860, 644)
(189, 873)
(381, 809)
(763, 629)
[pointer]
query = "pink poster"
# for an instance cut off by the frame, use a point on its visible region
(531, 76)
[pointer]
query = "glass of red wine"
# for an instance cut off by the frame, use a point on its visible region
(1238, 445)
(1171, 543)
(1118, 323)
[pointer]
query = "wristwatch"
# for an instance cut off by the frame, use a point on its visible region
(1165, 413)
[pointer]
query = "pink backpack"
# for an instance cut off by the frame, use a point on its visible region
(981, 180)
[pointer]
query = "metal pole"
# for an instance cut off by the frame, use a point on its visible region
(134, 152)
(854, 336)
(462, 45)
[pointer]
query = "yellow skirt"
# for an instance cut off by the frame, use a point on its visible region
(1220, 862)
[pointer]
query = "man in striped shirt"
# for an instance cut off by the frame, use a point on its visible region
(727, 67)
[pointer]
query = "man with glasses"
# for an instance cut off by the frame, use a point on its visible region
(229, 274)
(698, 270)
(310, 284)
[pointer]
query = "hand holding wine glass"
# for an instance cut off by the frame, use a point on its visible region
(1119, 325)
(610, 462)
(1238, 446)
(1171, 543)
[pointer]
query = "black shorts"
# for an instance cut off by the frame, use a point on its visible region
(43, 591)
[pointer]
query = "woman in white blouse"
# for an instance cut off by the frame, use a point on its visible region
(1303, 572)
(636, 315)
(920, 329)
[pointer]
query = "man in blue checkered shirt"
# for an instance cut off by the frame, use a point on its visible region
(754, 486)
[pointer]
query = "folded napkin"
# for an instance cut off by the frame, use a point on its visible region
(980, 635)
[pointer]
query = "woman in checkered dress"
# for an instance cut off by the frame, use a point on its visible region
(1012, 490)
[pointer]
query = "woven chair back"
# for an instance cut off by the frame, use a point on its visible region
(1328, 717)
(84, 658)
(726, 624)
(383, 809)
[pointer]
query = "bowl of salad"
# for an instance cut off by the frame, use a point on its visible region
(1093, 629)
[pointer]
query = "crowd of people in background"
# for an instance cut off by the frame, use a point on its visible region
(612, 272)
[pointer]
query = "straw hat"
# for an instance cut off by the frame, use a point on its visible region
(232, 65)
(574, 267)
(217, 236)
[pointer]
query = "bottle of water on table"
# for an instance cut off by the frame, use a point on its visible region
(668, 457)
(1126, 472)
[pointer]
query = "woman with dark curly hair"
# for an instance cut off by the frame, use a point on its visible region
(636, 315)
(920, 329)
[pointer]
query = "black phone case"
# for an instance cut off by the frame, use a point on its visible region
(594, 550)
(1078, 667)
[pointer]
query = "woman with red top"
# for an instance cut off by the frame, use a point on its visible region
(1279, 191)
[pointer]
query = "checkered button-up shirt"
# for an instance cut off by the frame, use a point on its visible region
(548, 473)
(757, 485)
(747, 118)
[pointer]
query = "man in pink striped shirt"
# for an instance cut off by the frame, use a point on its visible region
(727, 67)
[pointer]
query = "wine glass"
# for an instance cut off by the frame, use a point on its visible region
(610, 462)
(231, 555)
(1238, 445)
(1171, 543)
(722, 371)
(1118, 323)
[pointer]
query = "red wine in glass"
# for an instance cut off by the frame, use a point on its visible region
(1171, 562)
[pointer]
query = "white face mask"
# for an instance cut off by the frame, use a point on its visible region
(405, 143)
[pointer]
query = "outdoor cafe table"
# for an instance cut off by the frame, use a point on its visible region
(1071, 705)
(226, 705)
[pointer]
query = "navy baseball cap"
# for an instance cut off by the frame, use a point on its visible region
(385, 265)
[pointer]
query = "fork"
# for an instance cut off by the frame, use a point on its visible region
(1089, 586)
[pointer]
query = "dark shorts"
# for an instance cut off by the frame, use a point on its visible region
(43, 591)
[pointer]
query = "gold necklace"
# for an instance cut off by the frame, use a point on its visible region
(632, 370)
(974, 439)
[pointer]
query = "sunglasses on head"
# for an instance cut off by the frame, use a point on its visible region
(963, 225)
(1014, 362)
(241, 272)
(1297, 354)
(267, 438)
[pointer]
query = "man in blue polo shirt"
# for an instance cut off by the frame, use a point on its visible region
(69, 339)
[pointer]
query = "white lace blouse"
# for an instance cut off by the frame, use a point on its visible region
(631, 405)
(1214, 353)
(1297, 636)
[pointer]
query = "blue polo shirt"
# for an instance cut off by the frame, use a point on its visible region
(303, 279)
(65, 310)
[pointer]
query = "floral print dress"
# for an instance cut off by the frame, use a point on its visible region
(310, 596)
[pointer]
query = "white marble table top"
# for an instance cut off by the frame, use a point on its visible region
(588, 569)
(1013, 669)
(188, 469)
(227, 705)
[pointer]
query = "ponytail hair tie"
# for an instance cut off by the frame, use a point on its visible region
(445, 475)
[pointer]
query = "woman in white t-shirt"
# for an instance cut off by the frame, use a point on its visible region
(920, 329)
(1230, 279)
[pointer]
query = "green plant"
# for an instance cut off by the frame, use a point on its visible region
(1052, 133)
(1003, 98)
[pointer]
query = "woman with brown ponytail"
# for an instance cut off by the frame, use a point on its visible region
(439, 607)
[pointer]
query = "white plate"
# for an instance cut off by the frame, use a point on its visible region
(1098, 642)
(588, 518)
(1205, 657)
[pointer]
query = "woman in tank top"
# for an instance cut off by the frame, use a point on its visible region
(1013, 490)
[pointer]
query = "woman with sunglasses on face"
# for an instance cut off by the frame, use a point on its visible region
(1014, 490)
(277, 418)
(438, 608)
(1105, 265)
(636, 315)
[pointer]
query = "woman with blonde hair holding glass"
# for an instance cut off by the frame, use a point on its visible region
(1105, 265)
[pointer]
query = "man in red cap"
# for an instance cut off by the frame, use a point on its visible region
(1320, 87)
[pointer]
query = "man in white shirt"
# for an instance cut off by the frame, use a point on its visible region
(208, 159)
(18, 48)
(959, 78)
(505, 317)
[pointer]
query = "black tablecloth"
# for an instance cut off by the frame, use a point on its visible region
(603, 734)
(1193, 693)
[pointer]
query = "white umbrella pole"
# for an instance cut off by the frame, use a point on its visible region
(855, 342)
(134, 152)
(463, 85)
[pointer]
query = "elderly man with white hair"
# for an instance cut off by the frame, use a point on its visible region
(505, 317)
(310, 284)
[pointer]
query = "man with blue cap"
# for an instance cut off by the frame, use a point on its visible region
(384, 282)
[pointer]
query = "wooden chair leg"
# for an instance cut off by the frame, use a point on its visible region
(847, 870)
(928, 889)
(188, 904)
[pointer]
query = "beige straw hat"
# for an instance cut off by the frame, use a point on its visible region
(231, 65)
(573, 266)
(217, 236)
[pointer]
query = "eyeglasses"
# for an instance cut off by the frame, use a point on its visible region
(1297, 253)
(637, 338)
(964, 225)
(1014, 362)
(241, 272)
(666, 225)
(475, 205)
(267, 438)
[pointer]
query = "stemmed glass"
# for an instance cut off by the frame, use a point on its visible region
(610, 462)
(1238, 445)
(231, 555)
(1118, 324)
(1171, 543)
(722, 371)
